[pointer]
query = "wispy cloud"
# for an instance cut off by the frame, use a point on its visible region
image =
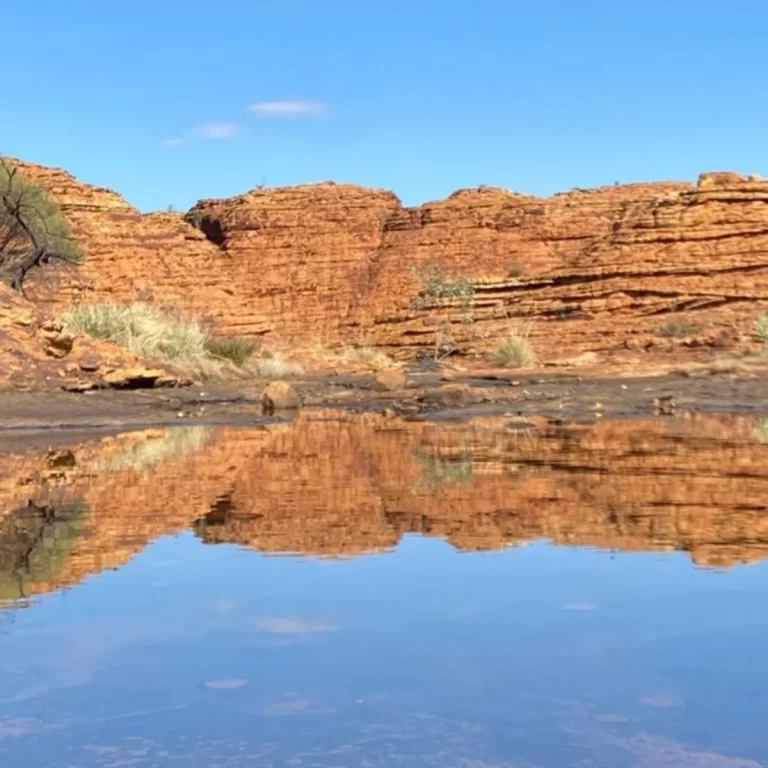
(174, 142)
(290, 108)
(218, 130)
(287, 625)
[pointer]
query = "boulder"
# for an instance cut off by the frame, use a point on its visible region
(391, 379)
(279, 396)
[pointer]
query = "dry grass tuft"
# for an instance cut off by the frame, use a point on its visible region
(367, 355)
(151, 333)
(272, 366)
(515, 351)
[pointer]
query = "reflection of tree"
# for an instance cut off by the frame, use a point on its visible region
(34, 543)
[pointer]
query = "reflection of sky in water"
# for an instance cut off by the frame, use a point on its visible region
(201, 655)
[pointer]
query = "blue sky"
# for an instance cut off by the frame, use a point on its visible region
(170, 101)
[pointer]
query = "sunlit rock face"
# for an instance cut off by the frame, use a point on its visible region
(630, 272)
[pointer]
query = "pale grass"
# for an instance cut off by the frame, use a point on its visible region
(515, 350)
(153, 334)
(366, 355)
(275, 367)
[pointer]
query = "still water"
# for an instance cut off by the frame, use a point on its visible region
(368, 592)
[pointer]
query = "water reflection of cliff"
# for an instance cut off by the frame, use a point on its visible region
(334, 484)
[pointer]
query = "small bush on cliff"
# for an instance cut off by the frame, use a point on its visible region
(151, 333)
(33, 231)
(435, 288)
(438, 471)
(436, 285)
(515, 351)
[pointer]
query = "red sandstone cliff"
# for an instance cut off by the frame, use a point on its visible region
(591, 270)
(597, 270)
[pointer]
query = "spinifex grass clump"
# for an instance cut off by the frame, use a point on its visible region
(515, 351)
(153, 334)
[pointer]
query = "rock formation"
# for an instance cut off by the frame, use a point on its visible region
(347, 485)
(669, 268)
(599, 270)
(36, 352)
(157, 257)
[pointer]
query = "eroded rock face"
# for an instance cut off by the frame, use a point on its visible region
(598, 270)
(157, 257)
(36, 352)
(602, 270)
(347, 485)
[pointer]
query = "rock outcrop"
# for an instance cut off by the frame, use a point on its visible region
(599, 270)
(36, 352)
(674, 269)
(347, 485)
(157, 257)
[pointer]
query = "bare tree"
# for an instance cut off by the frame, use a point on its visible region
(33, 231)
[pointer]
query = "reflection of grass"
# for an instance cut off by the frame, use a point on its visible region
(438, 471)
(761, 430)
(34, 544)
(144, 456)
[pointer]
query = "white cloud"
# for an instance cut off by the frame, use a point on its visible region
(287, 625)
(218, 130)
(290, 108)
(173, 142)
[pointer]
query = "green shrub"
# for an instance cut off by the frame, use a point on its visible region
(515, 351)
(435, 285)
(33, 230)
(35, 542)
